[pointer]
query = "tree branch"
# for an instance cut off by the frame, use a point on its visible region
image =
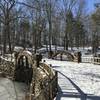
(22, 3)
(18, 18)
(12, 5)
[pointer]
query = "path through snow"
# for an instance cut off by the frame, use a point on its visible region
(10, 90)
(77, 81)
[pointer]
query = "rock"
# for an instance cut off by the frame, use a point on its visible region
(2, 74)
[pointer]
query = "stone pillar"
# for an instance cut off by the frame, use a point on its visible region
(79, 56)
(61, 57)
(38, 59)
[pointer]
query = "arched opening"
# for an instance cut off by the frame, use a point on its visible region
(23, 71)
(63, 55)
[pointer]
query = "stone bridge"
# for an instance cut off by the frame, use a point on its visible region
(40, 79)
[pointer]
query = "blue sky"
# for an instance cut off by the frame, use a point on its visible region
(90, 4)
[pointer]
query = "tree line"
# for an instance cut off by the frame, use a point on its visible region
(34, 23)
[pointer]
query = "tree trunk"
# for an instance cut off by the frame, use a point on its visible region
(35, 43)
(4, 40)
(66, 42)
(50, 28)
(9, 37)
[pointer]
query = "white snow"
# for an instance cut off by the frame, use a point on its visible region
(10, 90)
(17, 48)
(77, 81)
(8, 58)
(28, 52)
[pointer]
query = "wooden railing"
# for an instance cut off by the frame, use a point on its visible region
(88, 59)
(94, 60)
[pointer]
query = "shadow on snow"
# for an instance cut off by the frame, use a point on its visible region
(80, 94)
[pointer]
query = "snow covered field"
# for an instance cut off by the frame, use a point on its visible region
(77, 81)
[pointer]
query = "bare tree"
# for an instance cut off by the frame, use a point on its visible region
(6, 7)
(95, 29)
(67, 10)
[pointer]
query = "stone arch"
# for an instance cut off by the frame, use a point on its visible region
(66, 53)
(27, 54)
(24, 67)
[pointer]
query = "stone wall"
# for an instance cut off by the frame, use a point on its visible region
(7, 67)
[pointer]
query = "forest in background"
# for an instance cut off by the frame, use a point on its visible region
(34, 23)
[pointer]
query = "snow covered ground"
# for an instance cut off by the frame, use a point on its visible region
(77, 81)
(10, 90)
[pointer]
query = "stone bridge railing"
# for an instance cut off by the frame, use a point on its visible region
(49, 91)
